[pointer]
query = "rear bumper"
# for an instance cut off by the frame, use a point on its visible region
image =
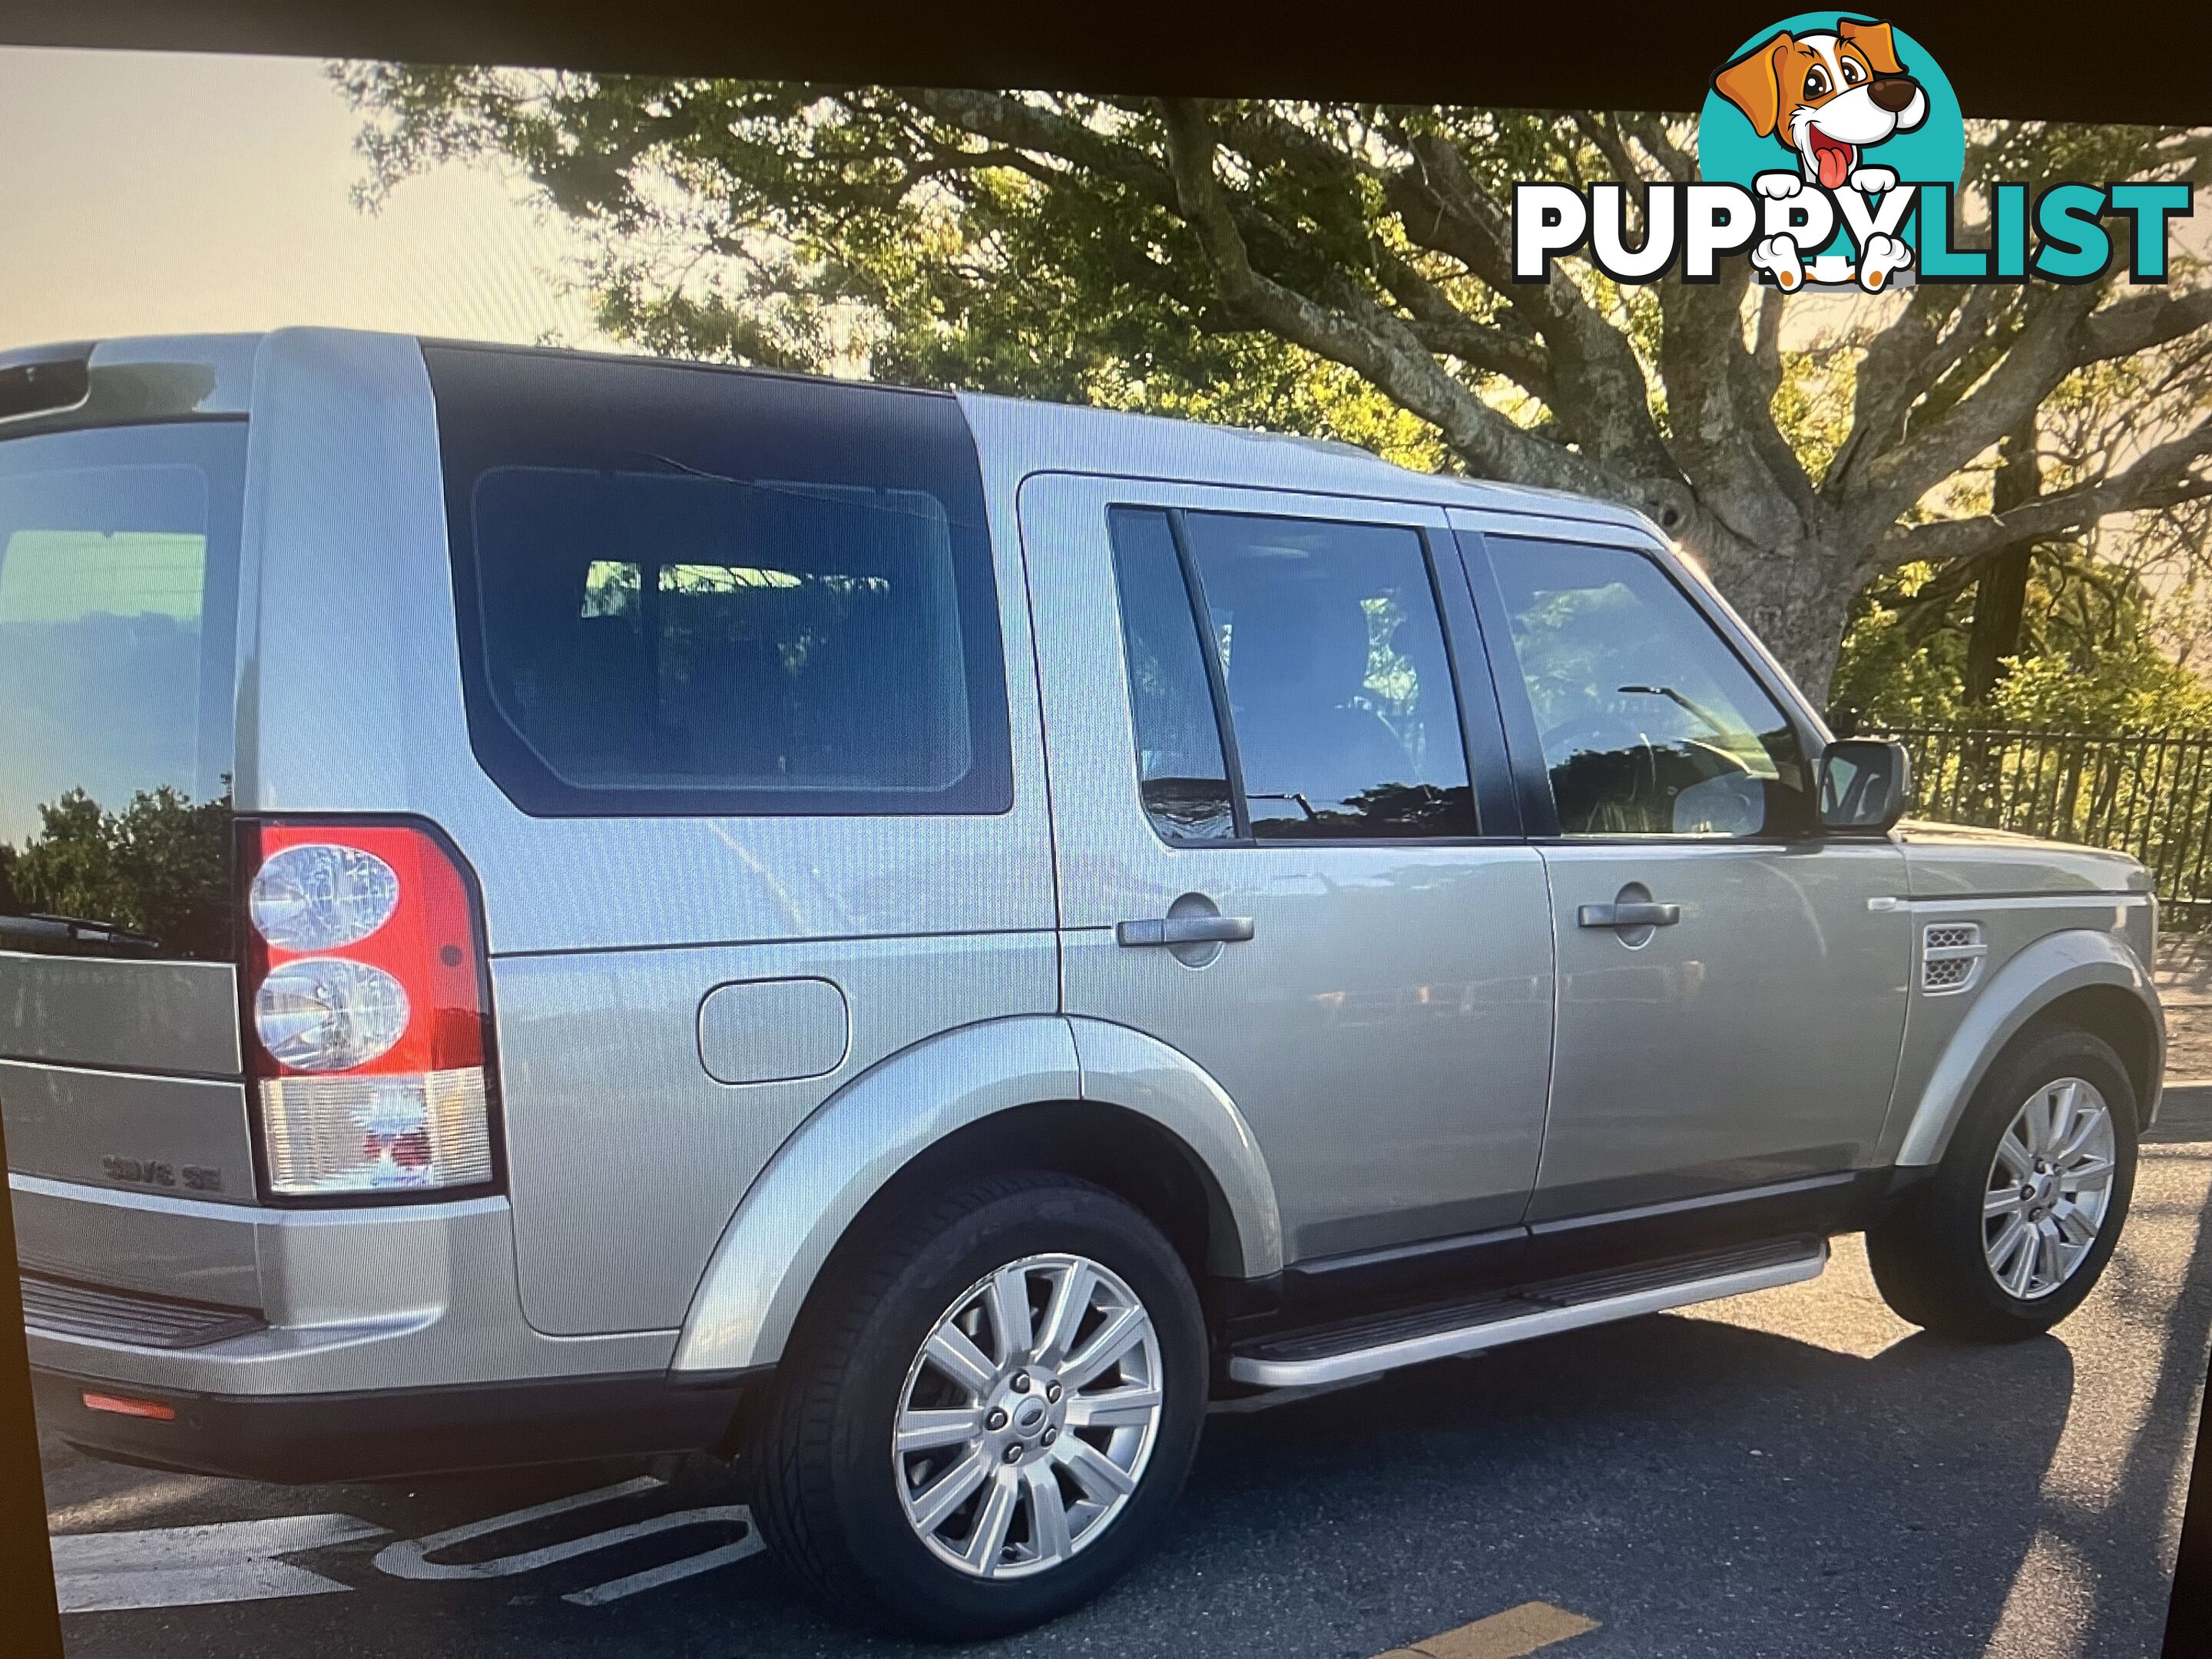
(313, 1344)
(371, 1434)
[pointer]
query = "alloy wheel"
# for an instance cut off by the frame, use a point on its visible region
(1027, 1417)
(2048, 1189)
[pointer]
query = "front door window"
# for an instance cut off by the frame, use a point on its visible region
(1651, 725)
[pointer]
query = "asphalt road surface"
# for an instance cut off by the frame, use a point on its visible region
(1791, 1473)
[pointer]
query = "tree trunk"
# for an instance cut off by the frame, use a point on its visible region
(1797, 596)
(2001, 590)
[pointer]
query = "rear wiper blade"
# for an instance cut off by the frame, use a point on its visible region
(78, 929)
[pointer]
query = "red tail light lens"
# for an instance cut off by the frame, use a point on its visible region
(365, 1011)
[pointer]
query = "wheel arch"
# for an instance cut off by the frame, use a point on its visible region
(2081, 976)
(1033, 1091)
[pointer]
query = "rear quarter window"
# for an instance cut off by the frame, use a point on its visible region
(119, 571)
(685, 590)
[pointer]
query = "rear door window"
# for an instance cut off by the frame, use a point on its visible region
(118, 557)
(1324, 641)
(685, 590)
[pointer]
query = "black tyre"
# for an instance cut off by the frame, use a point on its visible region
(983, 1420)
(2016, 1225)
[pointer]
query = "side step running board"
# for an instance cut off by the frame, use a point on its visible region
(1365, 1346)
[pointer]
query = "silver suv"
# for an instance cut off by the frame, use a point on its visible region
(564, 906)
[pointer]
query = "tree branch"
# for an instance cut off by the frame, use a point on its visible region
(1374, 344)
(2163, 477)
(1446, 330)
(2141, 321)
(2044, 353)
(1650, 132)
(1722, 430)
(1602, 398)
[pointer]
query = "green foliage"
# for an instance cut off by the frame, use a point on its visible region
(1044, 245)
(845, 229)
(160, 866)
(2090, 659)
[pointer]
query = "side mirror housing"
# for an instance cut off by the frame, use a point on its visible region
(1866, 784)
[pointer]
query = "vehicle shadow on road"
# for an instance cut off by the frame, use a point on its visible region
(1700, 1487)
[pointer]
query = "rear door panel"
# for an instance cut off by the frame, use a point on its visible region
(1386, 1031)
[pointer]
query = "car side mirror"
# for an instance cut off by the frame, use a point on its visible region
(1866, 784)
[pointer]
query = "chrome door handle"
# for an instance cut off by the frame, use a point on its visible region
(1184, 930)
(1628, 916)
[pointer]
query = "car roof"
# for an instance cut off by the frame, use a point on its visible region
(169, 376)
(1026, 436)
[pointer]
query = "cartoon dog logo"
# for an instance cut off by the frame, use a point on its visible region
(1828, 99)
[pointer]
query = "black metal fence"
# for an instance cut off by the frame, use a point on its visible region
(2145, 793)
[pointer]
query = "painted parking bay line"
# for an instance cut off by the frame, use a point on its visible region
(1506, 1635)
(198, 1566)
(410, 1557)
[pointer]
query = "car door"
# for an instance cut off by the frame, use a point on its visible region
(1274, 855)
(1731, 983)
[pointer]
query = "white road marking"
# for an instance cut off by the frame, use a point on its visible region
(198, 1566)
(653, 1577)
(409, 1557)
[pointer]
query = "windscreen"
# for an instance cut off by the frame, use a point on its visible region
(118, 555)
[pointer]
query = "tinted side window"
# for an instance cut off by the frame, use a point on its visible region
(1650, 723)
(1181, 769)
(119, 595)
(1340, 687)
(685, 590)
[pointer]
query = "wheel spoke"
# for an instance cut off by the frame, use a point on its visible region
(1098, 1475)
(2085, 1128)
(2038, 1119)
(1010, 1313)
(2099, 1169)
(1063, 1315)
(951, 1351)
(2002, 1200)
(2074, 1223)
(1121, 1331)
(2066, 1113)
(1127, 1408)
(2047, 1252)
(987, 1542)
(948, 1491)
(2009, 1240)
(2019, 1162)
(1048, 1514)
(2022, 1272)
(924, 1430)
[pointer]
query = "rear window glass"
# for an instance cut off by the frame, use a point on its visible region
(691, 591)
(118, 552)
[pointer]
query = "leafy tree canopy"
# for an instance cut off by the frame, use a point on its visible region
(160, 866)
(1341, 269)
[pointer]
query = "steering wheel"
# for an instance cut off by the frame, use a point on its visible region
(1570, 738)
(1726, 760)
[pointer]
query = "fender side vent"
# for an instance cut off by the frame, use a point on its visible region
(1951, 956)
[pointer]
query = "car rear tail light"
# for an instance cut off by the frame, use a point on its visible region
(366, 1010)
